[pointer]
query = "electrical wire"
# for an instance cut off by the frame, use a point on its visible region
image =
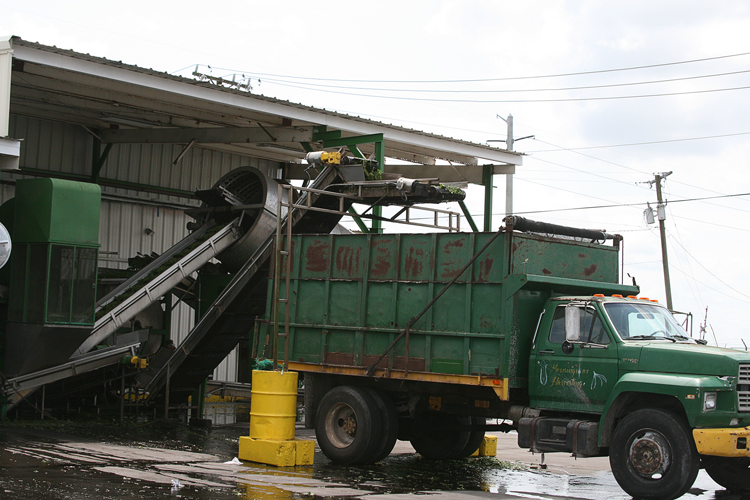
(558, 75)
(706, 269)
(641, 172)
(620, 205)
(710, 287)
(640, 143)
(312, 86)
(501, 101)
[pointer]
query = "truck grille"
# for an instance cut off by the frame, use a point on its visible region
(743, 388)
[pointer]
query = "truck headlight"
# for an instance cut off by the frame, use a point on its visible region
(709, 401)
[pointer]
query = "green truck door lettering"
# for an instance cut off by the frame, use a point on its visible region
(580, 380)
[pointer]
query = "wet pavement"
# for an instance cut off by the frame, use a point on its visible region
(105, 460)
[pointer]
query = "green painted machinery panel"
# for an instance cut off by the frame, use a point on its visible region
(56, 210)
(352, 295)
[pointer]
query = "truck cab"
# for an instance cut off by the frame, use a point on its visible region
(641, 390)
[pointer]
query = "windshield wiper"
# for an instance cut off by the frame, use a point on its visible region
(681, 337)
(649, 337)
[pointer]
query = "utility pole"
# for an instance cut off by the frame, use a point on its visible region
(509, 142)
(661, 215)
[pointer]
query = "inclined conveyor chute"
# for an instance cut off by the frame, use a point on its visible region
(233, 313)
(159, 286)
(244, 202)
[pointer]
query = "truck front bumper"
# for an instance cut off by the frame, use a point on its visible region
(723, 442)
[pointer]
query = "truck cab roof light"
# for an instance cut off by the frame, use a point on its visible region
(654, 300)
(632, 297)
(644, 298)
(598, 295)
(617, 295)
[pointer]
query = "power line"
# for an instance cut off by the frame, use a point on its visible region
(501, 101)
(621, 205)
(640, 143)
(589, 173)
(712, 288)
(626, 167)
(485, 91)
(558, 75)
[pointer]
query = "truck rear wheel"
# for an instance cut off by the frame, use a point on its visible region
(475, 438)
(389, 425)
(653, 456)
(348, 425)
(438, 436)
(731, 473)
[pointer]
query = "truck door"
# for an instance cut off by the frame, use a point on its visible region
(573, 376)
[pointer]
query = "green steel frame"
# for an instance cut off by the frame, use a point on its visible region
(333, 139)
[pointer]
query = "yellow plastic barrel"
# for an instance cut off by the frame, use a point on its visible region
(273, 407)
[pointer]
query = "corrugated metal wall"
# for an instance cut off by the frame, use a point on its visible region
(126, 214)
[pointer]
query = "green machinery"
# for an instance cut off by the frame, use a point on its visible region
(51, 278)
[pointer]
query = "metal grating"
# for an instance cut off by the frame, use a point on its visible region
(743, 388)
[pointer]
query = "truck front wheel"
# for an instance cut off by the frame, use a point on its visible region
(732, 473)
(348, 425)
(653, 456)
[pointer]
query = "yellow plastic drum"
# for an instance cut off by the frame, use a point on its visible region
(273, 407)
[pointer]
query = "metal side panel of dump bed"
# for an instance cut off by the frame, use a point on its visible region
(352, 295)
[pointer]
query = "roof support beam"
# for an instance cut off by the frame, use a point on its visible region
(208, 135)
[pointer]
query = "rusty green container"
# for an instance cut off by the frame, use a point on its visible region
(353, 294)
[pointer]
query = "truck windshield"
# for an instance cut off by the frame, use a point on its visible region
(644, 322)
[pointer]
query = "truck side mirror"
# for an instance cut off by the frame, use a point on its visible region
(572, 323)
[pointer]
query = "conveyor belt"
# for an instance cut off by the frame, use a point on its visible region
(232, 315)
(190, 239)
(22, 386)
(159, 286)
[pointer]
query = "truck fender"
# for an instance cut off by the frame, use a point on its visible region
(681, 393)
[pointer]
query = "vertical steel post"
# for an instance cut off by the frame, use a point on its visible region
(377, 225)
(287, 280)
(487, 182)
(166, 395)
(122, 395)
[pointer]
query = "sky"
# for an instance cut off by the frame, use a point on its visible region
(613, 92)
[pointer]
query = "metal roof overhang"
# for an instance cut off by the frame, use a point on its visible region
(122, 103)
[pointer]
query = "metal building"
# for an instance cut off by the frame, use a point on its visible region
(150, 140)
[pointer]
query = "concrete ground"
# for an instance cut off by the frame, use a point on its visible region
(55, 461)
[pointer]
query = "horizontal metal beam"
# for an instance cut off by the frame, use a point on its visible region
(446, 173)
(219, 135)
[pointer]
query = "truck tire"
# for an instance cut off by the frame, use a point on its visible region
(730, 472)
(348, 426)
(437, 436)
(653, 456)
(475, 438)
(389, 425)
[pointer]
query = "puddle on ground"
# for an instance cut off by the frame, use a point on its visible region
(103, 460)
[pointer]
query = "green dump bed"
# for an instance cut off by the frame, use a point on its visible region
(352, 295)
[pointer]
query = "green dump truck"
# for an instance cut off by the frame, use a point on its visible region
(430, 338)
